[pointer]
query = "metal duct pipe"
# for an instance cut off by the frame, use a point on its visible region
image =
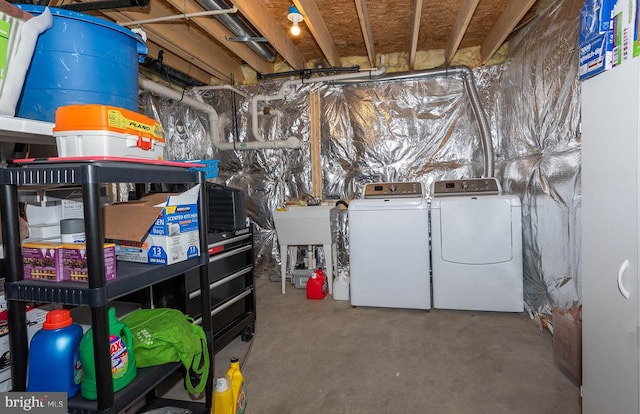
(474, 98)
(238, 27)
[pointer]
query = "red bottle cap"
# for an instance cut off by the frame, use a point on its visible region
(56, 319)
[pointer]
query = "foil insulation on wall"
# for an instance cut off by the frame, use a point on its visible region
(417, 129)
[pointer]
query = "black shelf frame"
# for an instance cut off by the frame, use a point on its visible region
(97, 292)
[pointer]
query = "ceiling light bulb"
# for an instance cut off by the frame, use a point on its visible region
(295, 29)
(295, 17)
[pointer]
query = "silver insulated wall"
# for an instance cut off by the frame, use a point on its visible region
(418, 129)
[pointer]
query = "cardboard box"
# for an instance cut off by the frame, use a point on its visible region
(159, 229)
(623, 22)
(74, 262)
(35, 319)
(595, 37)
(608, 35)
(42, 260)
(567, 342)
(99, 130)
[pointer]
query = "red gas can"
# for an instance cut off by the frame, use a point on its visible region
(317, 285)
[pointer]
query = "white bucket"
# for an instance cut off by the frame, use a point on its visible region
(341, 287)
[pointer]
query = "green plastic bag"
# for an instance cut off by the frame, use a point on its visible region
(165, 335)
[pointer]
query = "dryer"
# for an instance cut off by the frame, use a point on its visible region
(476, 246)
(389, 247)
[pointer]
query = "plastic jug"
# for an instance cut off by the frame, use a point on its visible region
(317, 285)
(222, 397)
(54, 364)
(341, 286)
(238, 386)
(123, 361)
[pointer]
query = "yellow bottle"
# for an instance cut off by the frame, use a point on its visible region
(238, 386)
(222, 397)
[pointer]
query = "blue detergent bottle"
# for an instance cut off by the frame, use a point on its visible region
(54, 362)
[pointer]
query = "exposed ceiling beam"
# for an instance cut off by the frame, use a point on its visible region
(467, 8)
(415, 30)
(192, 46)
(261, 19)
(365, 26)
(178, 63)
(515, 11)
(319, 30)
(217, 30)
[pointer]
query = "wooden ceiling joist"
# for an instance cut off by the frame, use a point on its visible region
(199, 45)
(367, 34)
(319, 30)
(415, 30)
(260, 18)
(516, 9)
(467, 8)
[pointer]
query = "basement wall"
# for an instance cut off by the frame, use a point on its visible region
(418, 130)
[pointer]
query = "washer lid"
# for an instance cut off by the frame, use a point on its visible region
(476, 230)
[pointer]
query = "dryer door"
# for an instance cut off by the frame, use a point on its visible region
(476, 230)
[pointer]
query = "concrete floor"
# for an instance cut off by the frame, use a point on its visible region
(327, 357)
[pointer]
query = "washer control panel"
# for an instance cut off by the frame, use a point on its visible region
(393, 190)
(469, 186)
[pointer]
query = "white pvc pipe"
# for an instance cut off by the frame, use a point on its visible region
(216, 87)
(214, 132)
(179, 16)
(260, 143)
(284, 91)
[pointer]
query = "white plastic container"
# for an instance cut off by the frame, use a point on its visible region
(341, 286)
(99, 130)
(72, 230)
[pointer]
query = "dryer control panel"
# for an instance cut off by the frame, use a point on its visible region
(468, 186)
(393, 190)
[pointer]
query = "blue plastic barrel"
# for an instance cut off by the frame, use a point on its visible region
(81, 59)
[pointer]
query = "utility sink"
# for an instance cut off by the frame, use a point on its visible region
(306, 225)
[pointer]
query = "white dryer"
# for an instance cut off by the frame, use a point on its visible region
(476, 246)
(389, 247)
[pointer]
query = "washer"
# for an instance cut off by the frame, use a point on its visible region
(476, 247)
(389, 247)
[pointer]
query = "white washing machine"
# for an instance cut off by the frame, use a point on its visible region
(389, 247)
(476, 247)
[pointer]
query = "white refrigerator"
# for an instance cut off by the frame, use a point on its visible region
(610, 207)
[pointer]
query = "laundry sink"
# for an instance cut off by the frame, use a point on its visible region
(306, 225)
